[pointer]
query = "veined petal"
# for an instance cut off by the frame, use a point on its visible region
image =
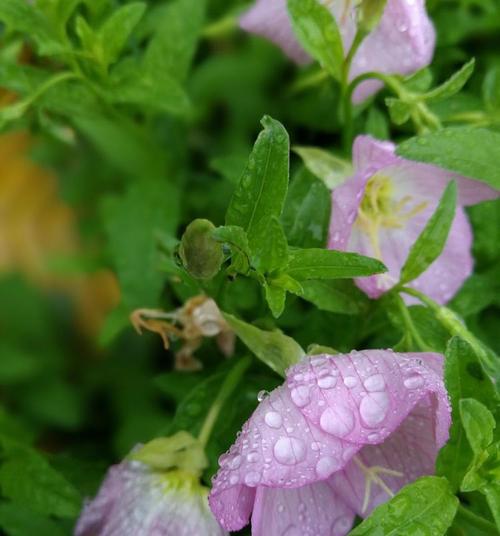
(310, 510)
(402, 43)
(135, 501)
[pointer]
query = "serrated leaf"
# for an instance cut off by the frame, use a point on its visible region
(432, 239)
(272, 253)
(464, 378)
(274, 348)
(427, 506)
(329, 264)
(261, 192)
(472, 152)
(317, 31)
(478, 423)
(116, 30)
(335, 296)
(453, 85)
(333, 171)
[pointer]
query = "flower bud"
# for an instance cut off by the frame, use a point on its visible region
(201, 255)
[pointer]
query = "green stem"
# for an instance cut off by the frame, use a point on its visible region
(476, 521)
(408, 321)
(57, 79)
(228, 386)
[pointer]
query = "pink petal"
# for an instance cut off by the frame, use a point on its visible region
(410, 450)
(402, 43)
(370, 154)
(314, 509)
(313, 425)
(270, 19)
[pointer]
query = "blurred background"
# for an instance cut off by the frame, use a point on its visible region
(101, 171)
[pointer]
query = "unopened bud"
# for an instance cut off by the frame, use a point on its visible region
(201, 254)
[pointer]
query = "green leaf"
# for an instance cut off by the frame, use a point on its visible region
(453, 85)
(133, 224)
(261, 192)
(432, 239)
(237, 239)
(491, 88)
(28, 479)
(479, 424)
(329, 264)
(274, 348)
(272, 254)
(473, 152)
(175, 39)
(427, 506)
(275, 297)
(464, 378)
(317, 31)
(18, 520)
(116, 30)
(335, 296)
(492, 492)
(333, 171)
(370, 13)
(399, 110)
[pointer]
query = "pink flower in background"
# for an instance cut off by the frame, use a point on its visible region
(342, 435)
(402, 43)
(382, 209)
(134, 500)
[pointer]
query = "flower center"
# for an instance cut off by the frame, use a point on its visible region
(372, 476)
(379, 209)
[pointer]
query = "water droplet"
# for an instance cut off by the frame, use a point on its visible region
(318, 361)
(326, 466)
(262, 395)
(336, 236)
(273, 419)
(338, 421)
(315, 446)
(373, 408)
(233, 479)
(281, 508)
(374, 383)
(252, 478)
(341, 525)
(235, 462)
(350, 381)
(289, 450)
(327, 382)
(301, 396)
(252, 457)
(414, 381)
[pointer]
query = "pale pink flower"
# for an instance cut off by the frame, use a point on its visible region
(381, 210)
(402, 43)
(135, 500)
(340, 436)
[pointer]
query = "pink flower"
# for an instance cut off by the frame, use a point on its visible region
(402, 43)
(382, 209)
(134, 500)
(342, 435)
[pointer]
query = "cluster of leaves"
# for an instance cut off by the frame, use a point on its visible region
(148, 112)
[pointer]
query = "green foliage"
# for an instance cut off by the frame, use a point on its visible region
(427, 506)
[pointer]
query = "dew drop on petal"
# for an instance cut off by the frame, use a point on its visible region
(341, 525)
(235, 462)
(252, 478)
(338, 421)
(289, 450)
(350, 382)
(327, 382)
(233, 479)
(301, 396)
(414, 381)
(273, 419)
(374, 383)
(262, 395)
(326, 466)
(373, 408)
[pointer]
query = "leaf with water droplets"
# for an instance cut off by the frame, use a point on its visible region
(329, 264)
(425, 507)
(317, 31)
(432, 239)
(472, 152)
(274, 348)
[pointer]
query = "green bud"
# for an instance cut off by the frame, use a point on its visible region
(201, 254)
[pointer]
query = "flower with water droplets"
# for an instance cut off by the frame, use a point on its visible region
(154, 492)
(402, 42)
(381, 210)
(363, 425)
